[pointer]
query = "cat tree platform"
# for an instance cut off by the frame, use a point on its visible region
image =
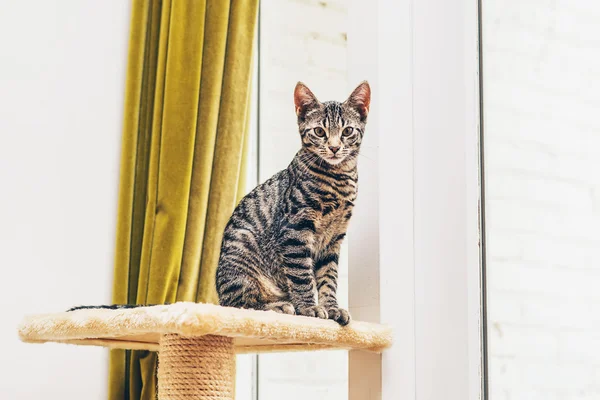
(197, 343)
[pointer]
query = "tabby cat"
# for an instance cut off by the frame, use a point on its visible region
(281, 247)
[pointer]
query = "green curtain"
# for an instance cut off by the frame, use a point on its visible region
(185, 135)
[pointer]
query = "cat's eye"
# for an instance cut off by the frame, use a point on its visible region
(347, 131)
(320, 132)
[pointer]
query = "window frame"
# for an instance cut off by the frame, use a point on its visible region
(401, 240)
(418, 210)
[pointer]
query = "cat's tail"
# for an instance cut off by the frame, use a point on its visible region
(110, 307)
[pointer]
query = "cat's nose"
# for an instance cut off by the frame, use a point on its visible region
(334, 149)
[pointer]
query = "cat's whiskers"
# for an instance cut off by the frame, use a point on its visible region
(304, 161)
(360, 154)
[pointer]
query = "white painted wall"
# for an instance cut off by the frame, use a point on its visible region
(62, 74)
(300, 40)
(542, 93)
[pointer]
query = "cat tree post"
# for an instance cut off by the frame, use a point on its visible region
(200, 368)
(197, 343)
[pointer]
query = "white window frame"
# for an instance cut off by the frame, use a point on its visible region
(414, 240)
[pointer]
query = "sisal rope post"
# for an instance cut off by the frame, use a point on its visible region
(200, 368)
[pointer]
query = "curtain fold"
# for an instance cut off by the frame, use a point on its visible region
(182, 166)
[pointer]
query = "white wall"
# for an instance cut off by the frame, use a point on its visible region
(542, 93)
(62, 74)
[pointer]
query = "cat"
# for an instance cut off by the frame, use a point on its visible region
(281, 246)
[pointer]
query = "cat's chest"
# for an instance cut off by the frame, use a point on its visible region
(332, 222)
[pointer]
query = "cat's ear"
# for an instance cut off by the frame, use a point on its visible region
(360, 99)
(304, 99)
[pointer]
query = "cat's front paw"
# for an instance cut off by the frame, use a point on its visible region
(339, 315)
(312, 311)
(282, 307)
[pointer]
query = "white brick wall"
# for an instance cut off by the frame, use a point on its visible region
(300, 40)
(541, 65)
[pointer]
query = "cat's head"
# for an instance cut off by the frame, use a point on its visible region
(331, 130)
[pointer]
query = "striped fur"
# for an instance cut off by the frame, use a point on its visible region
(281, 247)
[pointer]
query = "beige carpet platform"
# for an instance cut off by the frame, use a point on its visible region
(197, 342)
